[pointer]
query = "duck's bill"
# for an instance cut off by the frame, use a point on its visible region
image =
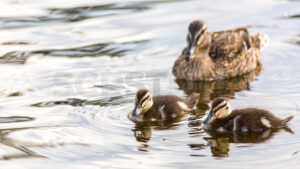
(209, 118)
(137, 109)
(190, 51)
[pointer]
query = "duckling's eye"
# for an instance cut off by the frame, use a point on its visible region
(227, 108)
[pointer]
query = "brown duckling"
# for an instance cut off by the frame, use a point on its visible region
(218, 55)
(222, 119)
(148, 108)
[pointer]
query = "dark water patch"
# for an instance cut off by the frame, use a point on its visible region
(14, 57)
(18, 43)
(29, 21)
(197, 155)
(14, 94)
(83, 12)
(295, 153)
(294, 40)
(57, 15)
(75, 14)
(109, 101)
(197, 146)
(14, 119)
(93, 50)
(20, 156)
(109, 87)
(295, 16)
(71, 102)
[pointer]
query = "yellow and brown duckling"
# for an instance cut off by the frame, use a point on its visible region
(222, 119)
(218, 55)
(148, 108)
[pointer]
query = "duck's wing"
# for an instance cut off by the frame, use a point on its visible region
(229, 45)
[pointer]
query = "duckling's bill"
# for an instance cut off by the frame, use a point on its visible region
(210, 118)
(137, 109)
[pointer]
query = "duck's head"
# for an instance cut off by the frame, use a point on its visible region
(196, 38)
(143, 102)
(220, 108)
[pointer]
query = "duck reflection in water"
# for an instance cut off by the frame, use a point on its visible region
(220, 142)
(209, 90)
(143, 131)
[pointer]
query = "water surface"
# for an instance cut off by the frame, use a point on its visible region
(70, 70)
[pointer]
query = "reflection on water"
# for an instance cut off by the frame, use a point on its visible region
(220, 142)
(14, 119)
(221, 88)
(143, 131)
(15, 148)
(102, 49)
(14, 57)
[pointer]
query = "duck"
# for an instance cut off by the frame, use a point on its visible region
(218, 55)
(154, 108)
(222, 119)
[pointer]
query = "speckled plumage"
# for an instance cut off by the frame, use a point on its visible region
(243, 120)
(221, 55)
(250, 119)
(165, 107)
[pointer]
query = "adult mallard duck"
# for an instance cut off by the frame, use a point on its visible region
(148, 108)
(218, 55)
(222, 119)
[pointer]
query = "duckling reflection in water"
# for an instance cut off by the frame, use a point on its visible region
(143, 131)
(220, 142)
(222, 119)
(218, 55)
(148, 108)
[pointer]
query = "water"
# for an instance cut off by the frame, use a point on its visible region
(70, 70)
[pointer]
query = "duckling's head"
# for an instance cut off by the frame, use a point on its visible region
(143, 102)
(196, 38)
(220, 108)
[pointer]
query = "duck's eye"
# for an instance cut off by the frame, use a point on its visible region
(227, 108)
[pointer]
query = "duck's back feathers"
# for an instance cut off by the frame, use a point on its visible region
(170, 106)
(229, 45)
(249, 120)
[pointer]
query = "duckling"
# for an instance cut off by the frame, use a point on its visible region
(218, 55)
(222, 119)
(148, 108)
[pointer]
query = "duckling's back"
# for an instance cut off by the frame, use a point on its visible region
(171, 106)
(249, 120)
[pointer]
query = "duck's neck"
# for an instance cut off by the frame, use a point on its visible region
(203, 48)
